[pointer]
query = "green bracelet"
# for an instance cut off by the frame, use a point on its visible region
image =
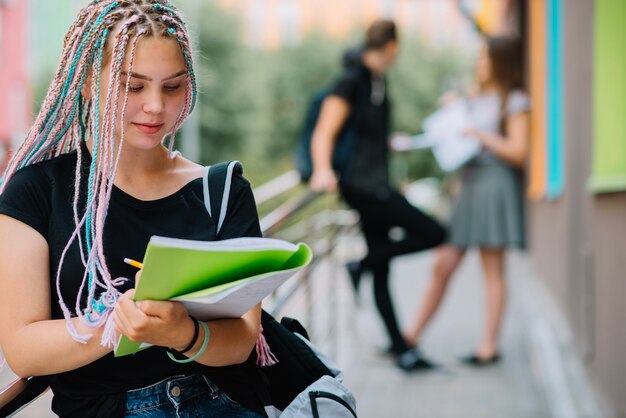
(205, 343)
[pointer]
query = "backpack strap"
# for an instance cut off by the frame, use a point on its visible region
(294, 325)
(216, 182)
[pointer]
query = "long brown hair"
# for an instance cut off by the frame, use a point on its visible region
(506, 57)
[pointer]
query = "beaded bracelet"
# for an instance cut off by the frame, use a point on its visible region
(196, 332)
(205, 343)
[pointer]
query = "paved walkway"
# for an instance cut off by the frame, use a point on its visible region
(506, 390)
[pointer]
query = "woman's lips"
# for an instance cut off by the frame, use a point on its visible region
(149, 129)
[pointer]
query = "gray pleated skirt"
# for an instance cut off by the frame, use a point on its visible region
(489, 212)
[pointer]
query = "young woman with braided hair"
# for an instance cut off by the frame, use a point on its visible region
(91, 183)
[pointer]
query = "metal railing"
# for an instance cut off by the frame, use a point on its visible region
(320, 228)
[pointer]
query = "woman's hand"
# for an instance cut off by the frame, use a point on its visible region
(323, 181)
(512, 149)
(162, 323)
(470, 132)
(400, 141)
(484, 138)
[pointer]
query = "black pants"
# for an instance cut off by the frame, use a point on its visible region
(379, 213)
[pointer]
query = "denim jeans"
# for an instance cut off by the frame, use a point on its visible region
(183, 397)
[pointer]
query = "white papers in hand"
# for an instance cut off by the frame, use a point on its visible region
(446, 128)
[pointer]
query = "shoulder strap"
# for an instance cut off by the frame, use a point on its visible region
(216, 182)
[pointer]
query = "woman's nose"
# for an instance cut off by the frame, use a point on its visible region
(154, 103)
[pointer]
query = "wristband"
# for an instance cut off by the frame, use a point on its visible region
(196, 333)
(205, 343)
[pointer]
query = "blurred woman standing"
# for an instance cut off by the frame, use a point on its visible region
(488, 212)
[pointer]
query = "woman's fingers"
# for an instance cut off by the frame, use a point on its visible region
(129, 319)
(161, 309)
(157, 322)
(121, 321)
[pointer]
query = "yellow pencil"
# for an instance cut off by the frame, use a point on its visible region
(133, 263)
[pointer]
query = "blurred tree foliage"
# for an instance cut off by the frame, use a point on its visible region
(229, 99)
(253, 101)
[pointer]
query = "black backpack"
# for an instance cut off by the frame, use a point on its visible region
(304, 382)
(344, 143)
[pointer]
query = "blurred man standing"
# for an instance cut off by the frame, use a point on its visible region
(360, 99)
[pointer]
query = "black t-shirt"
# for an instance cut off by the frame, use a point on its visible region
(368, 169)
(41, 196)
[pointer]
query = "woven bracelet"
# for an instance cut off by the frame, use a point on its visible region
(205, 343)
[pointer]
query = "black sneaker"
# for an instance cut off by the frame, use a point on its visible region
(354, 271)
(411, 360)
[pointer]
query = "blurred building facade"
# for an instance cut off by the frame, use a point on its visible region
(15, 101)
(577, 176)
(31, 37)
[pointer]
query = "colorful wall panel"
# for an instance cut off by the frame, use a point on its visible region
(15, 103)
(546, 46)
(609, 147)
(537, 56)
(555, 140)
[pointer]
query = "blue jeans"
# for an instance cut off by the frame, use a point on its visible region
(182, 397)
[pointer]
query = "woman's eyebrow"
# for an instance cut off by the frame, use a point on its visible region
(145, 77)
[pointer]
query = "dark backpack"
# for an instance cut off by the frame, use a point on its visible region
(344, 143)
(304, 382)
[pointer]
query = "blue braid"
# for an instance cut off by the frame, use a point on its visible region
(192, 75)
(70, 74)
(81, 122)
(96, 141)
(158, 6)
(76, 109)
(93, 27)
(86, 38)
(170, 9)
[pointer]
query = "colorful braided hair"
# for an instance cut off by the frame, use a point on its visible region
(66, 118)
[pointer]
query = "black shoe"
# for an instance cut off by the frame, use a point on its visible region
(354, 271)
(411, 360)
(474, 360)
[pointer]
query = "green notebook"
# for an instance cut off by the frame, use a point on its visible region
(215, 279)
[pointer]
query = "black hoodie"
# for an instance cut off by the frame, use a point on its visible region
(368, 168)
